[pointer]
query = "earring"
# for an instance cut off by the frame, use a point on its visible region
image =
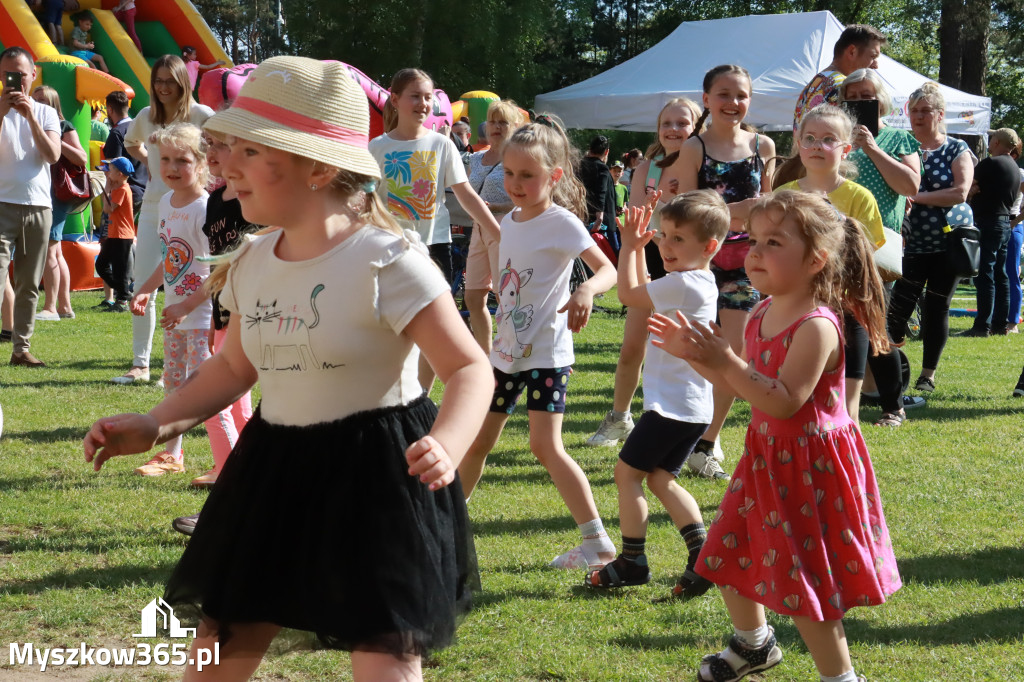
(314, 187)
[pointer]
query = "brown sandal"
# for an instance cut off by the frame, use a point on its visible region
(892, 418)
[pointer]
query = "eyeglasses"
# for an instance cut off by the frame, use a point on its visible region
(828, 143)
(923, 112)
(157, 82)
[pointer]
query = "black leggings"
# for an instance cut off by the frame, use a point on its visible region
(923, 270)
(884, 367)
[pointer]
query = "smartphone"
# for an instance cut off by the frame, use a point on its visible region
(12, 80)
(864, 112)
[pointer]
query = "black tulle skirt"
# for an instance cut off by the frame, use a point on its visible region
(322, 529)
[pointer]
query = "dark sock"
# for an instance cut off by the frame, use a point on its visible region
(633, 548)
(694, 536)
(705, 446)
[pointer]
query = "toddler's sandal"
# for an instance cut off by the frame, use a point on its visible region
(754, 660)
(609, 576)
(691, 585)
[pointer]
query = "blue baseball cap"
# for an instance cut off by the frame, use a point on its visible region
(120, 163)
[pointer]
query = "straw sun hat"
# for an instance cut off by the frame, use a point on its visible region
(304, 106)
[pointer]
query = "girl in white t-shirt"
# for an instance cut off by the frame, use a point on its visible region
(533, 350)
(186, 314)
(417, 165)
(339, 511)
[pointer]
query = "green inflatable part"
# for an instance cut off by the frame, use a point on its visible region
(477, 112)
(118, 66)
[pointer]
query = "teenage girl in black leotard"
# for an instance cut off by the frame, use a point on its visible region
(736, 162)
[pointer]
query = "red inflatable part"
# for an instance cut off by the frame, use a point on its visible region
(220, 86)
(81, 258)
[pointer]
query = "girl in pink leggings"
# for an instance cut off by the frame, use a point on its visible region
(125, 13)
(187, 310)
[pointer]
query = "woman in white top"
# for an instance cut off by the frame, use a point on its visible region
(170, 102)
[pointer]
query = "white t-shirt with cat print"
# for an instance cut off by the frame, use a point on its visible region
(535, 259)
(325, 334)
(182, 244)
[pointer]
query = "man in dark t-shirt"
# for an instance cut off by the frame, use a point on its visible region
(597, 180)
(996, 184)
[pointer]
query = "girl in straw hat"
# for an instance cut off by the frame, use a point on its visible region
(369, 545)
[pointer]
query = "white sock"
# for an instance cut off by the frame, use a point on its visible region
(848, 676)
(755, 639)
(595, 539)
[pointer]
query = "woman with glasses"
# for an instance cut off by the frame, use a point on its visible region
(170, 102)
(889, 166)
(946, 177)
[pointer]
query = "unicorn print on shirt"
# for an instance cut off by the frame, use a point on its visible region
(512, 317)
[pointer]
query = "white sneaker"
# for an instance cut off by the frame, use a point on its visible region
(47, 316)
(716, 452)
(612, 431)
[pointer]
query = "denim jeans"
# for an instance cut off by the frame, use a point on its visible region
(991, 282)
(1013, 248)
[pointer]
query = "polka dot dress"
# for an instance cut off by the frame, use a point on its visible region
(801, 528)
(896, 144)
(925, 234)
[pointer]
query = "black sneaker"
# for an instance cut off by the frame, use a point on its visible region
(103, 305)
(118, 307)
(1019, 391)
(975, 332)
(185, 524)
(925, 385)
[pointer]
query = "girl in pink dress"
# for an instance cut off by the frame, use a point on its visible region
(801, 529)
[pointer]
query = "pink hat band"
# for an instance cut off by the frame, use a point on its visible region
(301, 122)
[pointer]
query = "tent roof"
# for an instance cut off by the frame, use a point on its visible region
(782, 52)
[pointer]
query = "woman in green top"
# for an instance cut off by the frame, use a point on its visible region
(888, 164)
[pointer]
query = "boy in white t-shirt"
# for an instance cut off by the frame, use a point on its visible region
(678, 400)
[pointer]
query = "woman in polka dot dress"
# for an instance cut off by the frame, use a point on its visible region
(946, 177)
(536, 317)
(800, 529)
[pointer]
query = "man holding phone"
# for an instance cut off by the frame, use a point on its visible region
(29, 143)
(858, 47)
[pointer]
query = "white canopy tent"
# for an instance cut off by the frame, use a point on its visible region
(782, 52)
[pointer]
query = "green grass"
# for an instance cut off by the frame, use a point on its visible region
(81, 553)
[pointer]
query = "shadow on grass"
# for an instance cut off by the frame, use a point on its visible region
(986, 567)
(65, 433)
(105, 578)
(997, 625)
(99, 542)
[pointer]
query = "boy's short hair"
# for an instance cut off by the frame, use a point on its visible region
(704, 209)
(78, 16)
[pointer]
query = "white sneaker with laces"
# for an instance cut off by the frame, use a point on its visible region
(612, 431)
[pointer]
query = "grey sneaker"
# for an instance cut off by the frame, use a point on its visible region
(702, 462)
(185, 524)
(612, 431)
